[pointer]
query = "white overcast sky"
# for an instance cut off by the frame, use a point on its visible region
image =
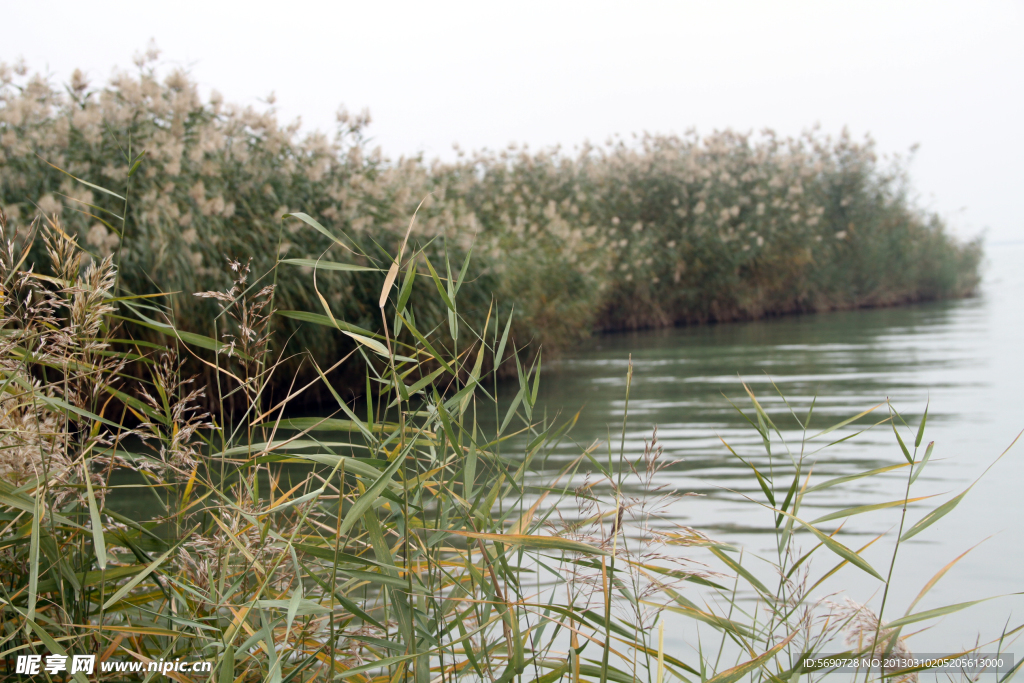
(946, 75)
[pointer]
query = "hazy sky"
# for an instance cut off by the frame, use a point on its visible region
(945, 75)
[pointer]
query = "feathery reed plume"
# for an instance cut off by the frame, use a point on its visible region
(861, 626)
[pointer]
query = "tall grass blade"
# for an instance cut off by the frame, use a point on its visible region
(937, 612)
(924, 461)
(847, 421)
(920, 429)
(861, 509)
(933, 516)
(534, 542)
(836, 547)
(853, 477)
(365, 501)
(312, 222)
(139, 578)
(740, 670)
(84, 182)
(99, 544)
(33, 560)
(328, 265)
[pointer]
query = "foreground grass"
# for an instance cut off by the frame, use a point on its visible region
(395, 541)
(661, 231)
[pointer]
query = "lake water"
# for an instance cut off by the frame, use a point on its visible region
(966, 357)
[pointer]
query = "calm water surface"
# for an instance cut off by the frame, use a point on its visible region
(965, 357)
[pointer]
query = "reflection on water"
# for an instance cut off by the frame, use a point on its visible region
(965, 357)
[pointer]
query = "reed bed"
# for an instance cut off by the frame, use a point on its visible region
(178, 276)
(400, 536)
(653, 231)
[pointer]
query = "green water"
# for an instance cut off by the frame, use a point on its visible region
(965, 357)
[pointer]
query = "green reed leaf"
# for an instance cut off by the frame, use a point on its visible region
(301, 606)
(53, 646)
(499, 355)
(534, 542)
(741, 570)
(553, 675)
(440, 288)
(464, 270)
(372, 666)
(342, 600)
(453, 317)
(404, 293)
(946, 507)
(740, 670)
(845, 422)
(836, 547)
(313, 223)
(510, 413)
(903, 446)
(717, 622)
(853, 477)
(938, 612)
(320, 319)
(920, 430)
(135, 166)
(640, 647)
(769, 494)
(33, 560)
(84, 182)
(789, 497)
(407, 282)
(894, 633)
(860, 509)
(305, 664)
(611, 674)
(372, 344)
(377, 578)
(99, 544)
(359, 466)
(192, 338)
(293, 444)
(18, 501)
(329, 265)
(65, 407)
(924, 461)
(344, 406)
(933, 516)
(426, 344)
(536, 381)
(320, 424)
(469, 469)
(365, 501)
(141, 576)
(227, 665)
(95, 578)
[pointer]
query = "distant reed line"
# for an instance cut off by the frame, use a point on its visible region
(657, 231)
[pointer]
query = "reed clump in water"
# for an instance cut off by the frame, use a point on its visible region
(401, 540)
(660, 231)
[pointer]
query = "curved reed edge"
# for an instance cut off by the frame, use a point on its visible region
(403, 538)
(661, 231)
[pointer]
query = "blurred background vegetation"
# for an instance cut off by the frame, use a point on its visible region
(653, 231)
